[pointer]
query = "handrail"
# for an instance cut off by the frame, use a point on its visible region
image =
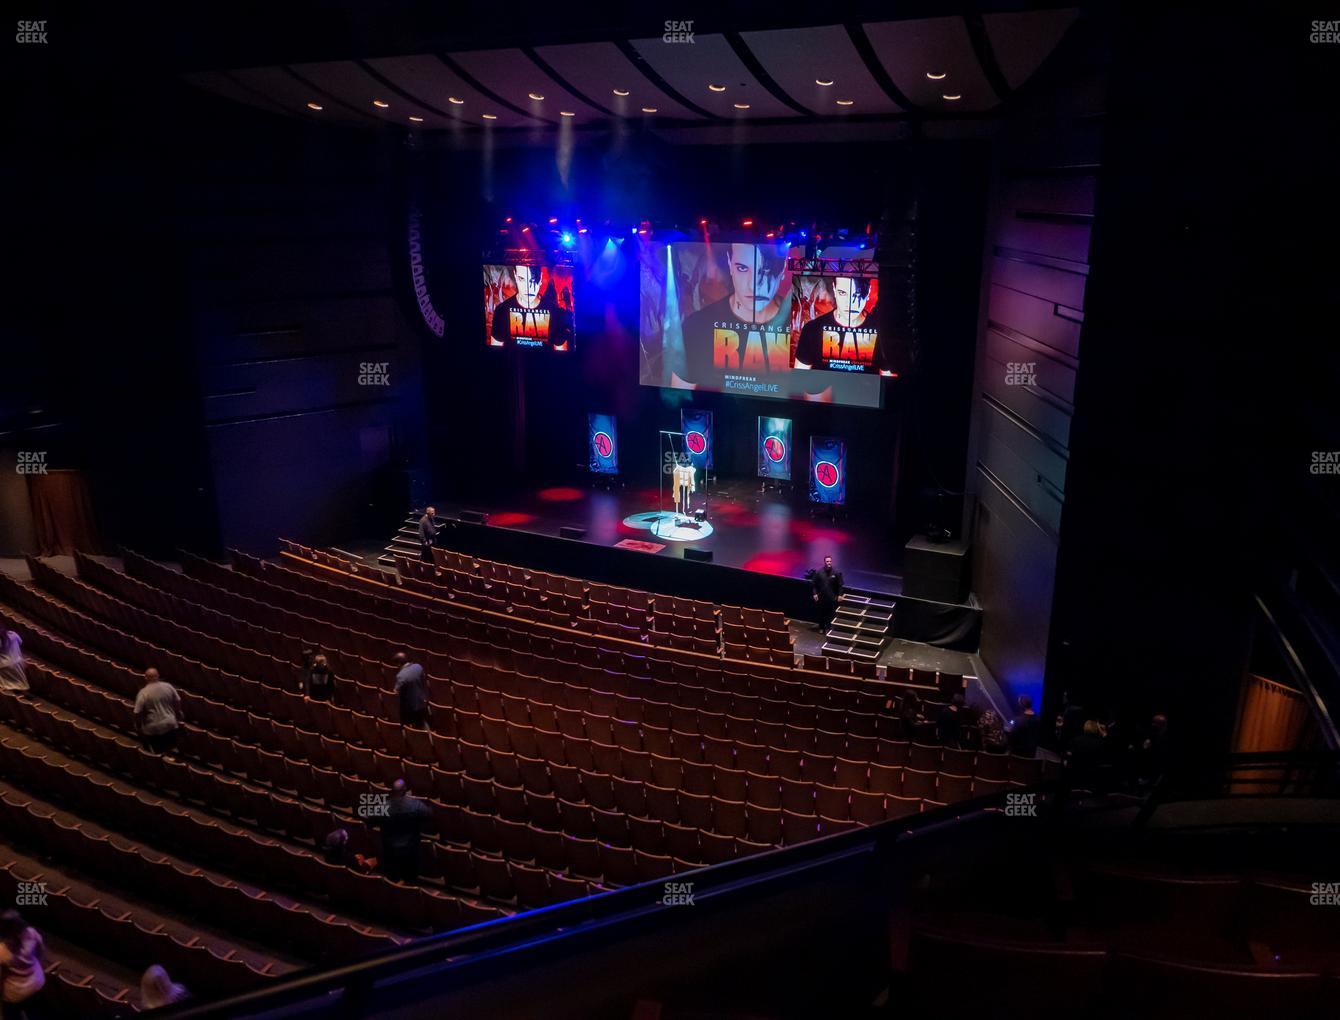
(1302, 677)
(459, 949)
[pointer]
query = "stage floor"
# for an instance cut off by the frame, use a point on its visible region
(766, 533)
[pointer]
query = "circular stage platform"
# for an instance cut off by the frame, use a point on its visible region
(663, 525)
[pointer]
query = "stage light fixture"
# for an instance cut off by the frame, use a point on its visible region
(381, 104)
(742, 106)
(648, 109)
(490, 116)
(845, 102)
(702, 223)
(951, 98)
(553, 219)
(581, 230)
(566, 113)
(417, 120)
(825, 82)
(567, 239)
(535, 96)
(621, 92)
(315, 106)
(507, 219)
(935, 77)
(455, 102)
(717, 88)
(746, 223)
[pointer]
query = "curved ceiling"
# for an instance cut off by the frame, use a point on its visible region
(944, 67)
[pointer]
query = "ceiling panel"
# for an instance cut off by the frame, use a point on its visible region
(797, 58)
(513, 76)
(1023, 40)
(347, 81)
(293, 95)
(222, 85)
(910, 49)
(690, 68)
(426, 77)
(597, 69)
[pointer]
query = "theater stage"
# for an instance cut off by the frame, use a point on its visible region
(762, 533)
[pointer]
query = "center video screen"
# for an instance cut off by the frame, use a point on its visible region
(528, 306)
(730, 318)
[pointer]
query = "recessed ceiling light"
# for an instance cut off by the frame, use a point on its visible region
(825, 82)
(717, 88)
(951, 98)
(315, 106)
(535, 96)
(566, 113)
(417, 120)
(844, 102)
(621, 92)
(490, 116)
(381, 104)
(742, 106)
(648, 109)
(455, 102)
(935, 77)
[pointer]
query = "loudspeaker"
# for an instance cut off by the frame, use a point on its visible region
(570, 531)
(474, 517)
(698, 555)
(937, 571)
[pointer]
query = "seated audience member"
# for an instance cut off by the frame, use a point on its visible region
(157, 989)
(320, 681)
(949, 724)
(911, 712)
(402, 828)
(993, 732)
(335, 846)
(21, 954)
(412, 686)
(1024, 734)
(1069, 722)
(13, 673)
(157, 713)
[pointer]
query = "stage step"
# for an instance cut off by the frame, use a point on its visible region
(854, 637)
(862, 623)
(850, 651)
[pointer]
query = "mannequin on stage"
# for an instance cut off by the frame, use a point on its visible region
(684, 485)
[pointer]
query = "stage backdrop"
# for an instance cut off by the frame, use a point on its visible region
(828, 470)
(602, 441)
(697, 427)
(774, 448)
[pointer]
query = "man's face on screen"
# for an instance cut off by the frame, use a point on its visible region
(755, 279)
(527, 286)
(848, 300)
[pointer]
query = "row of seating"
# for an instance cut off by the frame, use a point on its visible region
(212, 896)
(265, 858)
(613, 662)
(129, 932)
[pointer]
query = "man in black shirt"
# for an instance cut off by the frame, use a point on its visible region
(844, 339)
(428, 534)
(1024, 735)
(402, 828)
(746, 332)
(529, 318)
(827, 585)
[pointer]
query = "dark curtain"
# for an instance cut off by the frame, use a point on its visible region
(63, 513)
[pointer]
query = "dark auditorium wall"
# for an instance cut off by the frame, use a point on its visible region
(309, 370)
(1200, 397)
(1036, 266)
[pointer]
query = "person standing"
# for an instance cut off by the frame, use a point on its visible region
(428, 529)
(21, 953)
(1024, 735)
(827, 584)
(411, 684)
(157, 712)
(402, 828)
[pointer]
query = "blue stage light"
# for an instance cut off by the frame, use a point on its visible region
(567, 239)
